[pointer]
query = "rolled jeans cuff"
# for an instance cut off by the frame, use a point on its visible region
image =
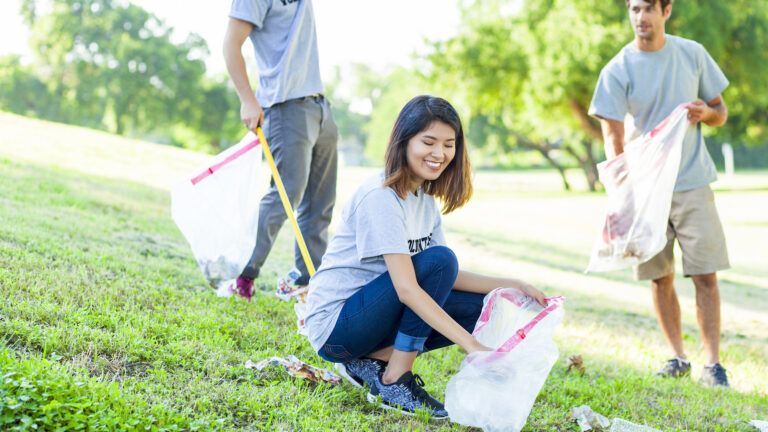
(406, 343)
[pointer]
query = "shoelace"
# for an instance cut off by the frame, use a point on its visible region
(416, 385)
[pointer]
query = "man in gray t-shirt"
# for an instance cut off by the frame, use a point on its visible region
(297, 121)
(643, 84)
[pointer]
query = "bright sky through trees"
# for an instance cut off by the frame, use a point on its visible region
(364, 31)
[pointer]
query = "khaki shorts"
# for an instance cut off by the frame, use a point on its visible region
(694, 222)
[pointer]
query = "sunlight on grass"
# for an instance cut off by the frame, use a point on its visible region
(101, 289)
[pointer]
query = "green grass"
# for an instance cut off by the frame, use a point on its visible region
(107, 324)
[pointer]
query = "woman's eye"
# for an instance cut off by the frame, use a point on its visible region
(428, 143)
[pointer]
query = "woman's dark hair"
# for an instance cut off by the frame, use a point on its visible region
(454, 186)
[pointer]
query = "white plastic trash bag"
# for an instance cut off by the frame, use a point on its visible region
(217, 210)
(495, 390)
(639, 184)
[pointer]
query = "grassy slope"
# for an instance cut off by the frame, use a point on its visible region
(105, 312)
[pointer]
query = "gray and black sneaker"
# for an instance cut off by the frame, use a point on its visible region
(714, 376)
(406, 395)
(362, 371)
(675, 368)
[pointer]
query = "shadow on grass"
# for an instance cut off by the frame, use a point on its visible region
(620, 391)
(551, 256)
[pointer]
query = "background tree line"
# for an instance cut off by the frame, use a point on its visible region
(112, 65)
(522, 73)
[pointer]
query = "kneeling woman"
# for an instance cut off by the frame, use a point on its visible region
(389, 287)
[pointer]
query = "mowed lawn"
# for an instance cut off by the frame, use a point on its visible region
(107, 324)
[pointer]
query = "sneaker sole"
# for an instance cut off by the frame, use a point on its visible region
(680, 375)
(374, 400)
(342, 370)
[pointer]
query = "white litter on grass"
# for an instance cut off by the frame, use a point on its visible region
(226, 288)
(589, 420)
(297, 368)
(760, 425)
(621, 425)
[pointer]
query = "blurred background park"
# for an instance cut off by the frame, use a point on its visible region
(106, 322)
(522, 73)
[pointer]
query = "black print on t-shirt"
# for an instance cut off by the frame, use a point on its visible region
(287, 2)
(418, 245)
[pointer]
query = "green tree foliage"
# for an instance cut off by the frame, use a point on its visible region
(394, 90)
(736, 35)
(344, 92)
(22, 92)
(385, 92)
(111, 64)
(529, 68)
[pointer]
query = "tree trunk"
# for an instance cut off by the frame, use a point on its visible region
(546, 150)
(560, 169)
(586, 162)
(119, 120)
(588, 124)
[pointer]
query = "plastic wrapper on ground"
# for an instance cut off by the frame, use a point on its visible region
(297, 368)
(621, 425)
(589, 420)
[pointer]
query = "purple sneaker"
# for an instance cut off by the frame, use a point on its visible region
(244, 287)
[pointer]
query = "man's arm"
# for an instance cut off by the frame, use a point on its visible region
(613, 136)
(251, 112)
(713, 113)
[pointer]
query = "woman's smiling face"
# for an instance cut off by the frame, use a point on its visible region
(430, 151)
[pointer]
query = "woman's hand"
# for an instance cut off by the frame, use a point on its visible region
(532, 291)
(476, 346)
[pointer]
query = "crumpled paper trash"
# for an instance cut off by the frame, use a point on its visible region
(287, 288)
(575, 362)
(621, 425)
(760, 425)
(589, 420)
(297, 368)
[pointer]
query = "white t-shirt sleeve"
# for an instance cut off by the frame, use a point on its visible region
(610, 98)
(253, 11)
(713, 81)
(380, 225)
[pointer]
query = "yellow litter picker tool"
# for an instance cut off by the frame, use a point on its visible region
(286, 203)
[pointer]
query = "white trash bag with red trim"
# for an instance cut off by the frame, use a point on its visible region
(217, 210)
(495, 390)
(639, 184)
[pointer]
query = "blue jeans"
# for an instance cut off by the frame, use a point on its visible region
(374, 318)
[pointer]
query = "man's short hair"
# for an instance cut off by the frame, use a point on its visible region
(664, 3)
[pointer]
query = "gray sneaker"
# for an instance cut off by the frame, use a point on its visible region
(362, 371)
(714, 376)
(406, 395)
(675, 368)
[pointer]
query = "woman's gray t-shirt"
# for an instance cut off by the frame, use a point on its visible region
(375, 222)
